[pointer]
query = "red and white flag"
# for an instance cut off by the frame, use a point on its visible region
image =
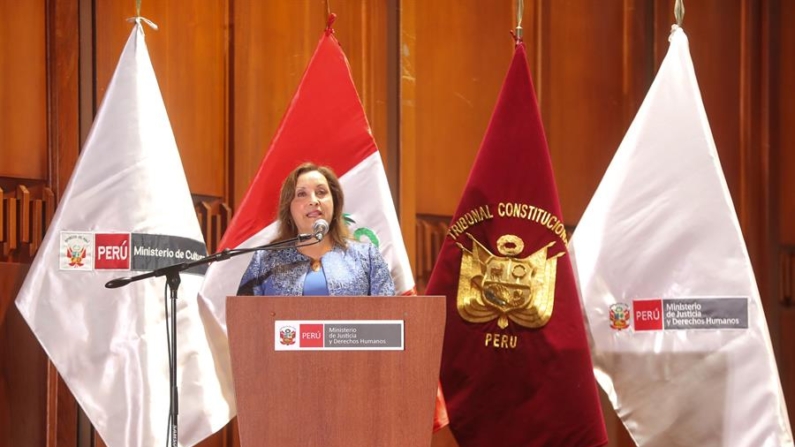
(324, 124)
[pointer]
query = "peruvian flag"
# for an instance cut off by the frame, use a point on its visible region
(325, 124)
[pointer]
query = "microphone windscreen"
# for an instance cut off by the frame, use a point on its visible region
(320, 227)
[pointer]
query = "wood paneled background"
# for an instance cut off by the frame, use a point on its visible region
(428, 73)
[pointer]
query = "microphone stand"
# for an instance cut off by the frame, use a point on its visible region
(171, 273)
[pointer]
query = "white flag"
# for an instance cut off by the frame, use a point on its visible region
(127, 210)
(679, 338)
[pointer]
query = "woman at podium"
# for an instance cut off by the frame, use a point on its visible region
(311, 202)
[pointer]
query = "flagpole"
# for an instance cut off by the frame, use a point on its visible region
(679, 12)
(330, 17)
(173, 281)
(519, 32)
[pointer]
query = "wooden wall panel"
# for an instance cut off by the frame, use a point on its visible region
(784, 130)
(595, 65)
(361, 30)
(23, 370)
(63, 48)
(456, 56)
(268, 60)
(783, 145)
(189, 55)
(407, 135)
(23, 89)
(453, 58)
(273, 42)
(786, 360)
(38, 148)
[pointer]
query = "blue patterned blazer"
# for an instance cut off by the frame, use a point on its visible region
(357, 270)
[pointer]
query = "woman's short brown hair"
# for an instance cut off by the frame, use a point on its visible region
(338, 230)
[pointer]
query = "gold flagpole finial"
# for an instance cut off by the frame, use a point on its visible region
(519, 13)
(140, 19)
(679, 12)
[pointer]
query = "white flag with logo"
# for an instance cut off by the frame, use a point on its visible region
(679, 338)
(127, 210)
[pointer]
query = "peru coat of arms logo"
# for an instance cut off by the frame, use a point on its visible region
(287, 335)
(507, 287)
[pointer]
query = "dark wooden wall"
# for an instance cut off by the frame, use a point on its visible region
(428, 74)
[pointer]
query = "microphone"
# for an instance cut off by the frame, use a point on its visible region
(320, 228)
(118, 282)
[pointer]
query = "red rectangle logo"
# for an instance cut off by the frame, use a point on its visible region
(311, 336)
(112, 251)
(647, 315)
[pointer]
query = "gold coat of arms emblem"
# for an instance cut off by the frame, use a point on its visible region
(507, 287)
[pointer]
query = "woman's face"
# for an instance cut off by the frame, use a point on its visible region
(312, 201)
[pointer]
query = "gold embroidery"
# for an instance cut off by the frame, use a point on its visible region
(522, 290)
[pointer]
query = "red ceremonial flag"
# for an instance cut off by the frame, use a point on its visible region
(325, 124)
(516, 370)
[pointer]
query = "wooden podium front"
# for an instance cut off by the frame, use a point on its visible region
(328, 398)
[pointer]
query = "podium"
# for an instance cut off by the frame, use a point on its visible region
(335, 394)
